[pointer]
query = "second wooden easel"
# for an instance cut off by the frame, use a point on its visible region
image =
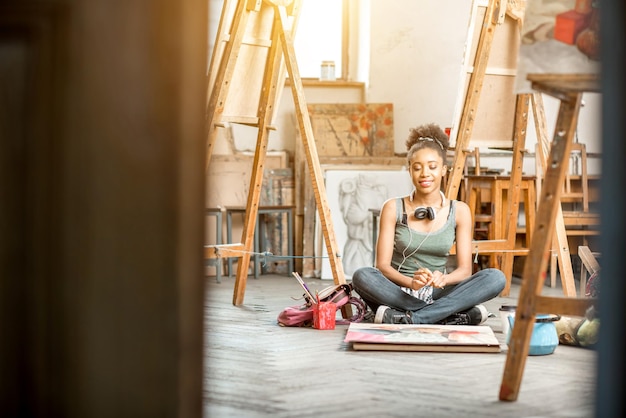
(254, 45)
(503, 247)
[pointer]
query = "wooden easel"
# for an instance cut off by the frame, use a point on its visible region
(257, 39)
(504, 247)
(504, 244)
(569, 90)
(492, 19)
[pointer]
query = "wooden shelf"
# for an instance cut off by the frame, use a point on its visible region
(314, 82)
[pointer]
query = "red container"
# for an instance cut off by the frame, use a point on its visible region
(569, 24)
(324, 315)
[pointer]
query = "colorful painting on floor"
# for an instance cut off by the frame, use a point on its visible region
(422, 337)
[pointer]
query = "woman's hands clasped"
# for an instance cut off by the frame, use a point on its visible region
(425, 277)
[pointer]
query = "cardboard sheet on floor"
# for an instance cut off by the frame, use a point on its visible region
(422, 337)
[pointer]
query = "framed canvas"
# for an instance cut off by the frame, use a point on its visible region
(351, 193)
(353, 129)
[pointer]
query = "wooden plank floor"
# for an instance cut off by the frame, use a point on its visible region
(255, 368)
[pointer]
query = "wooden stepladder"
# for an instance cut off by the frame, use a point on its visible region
(254, 46)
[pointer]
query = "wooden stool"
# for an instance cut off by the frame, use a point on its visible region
(492, 191)
(578, 219)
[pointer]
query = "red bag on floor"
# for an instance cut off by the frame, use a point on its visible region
(302, 315)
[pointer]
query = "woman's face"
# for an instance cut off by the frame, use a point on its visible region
(427, 170)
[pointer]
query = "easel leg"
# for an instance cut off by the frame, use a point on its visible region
(304, 123)
(266, 109)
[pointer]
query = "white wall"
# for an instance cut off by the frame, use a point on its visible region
(416, 58)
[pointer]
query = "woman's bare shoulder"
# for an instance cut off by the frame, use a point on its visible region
(461, 205)
(389, 206)
(462, 210)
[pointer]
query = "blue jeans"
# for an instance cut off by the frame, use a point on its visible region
(375, 289)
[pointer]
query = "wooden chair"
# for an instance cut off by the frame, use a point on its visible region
(477, 197)
(589, 266)
(579, 219)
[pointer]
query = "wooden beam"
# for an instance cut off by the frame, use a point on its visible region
(562, 306)
(223, 250)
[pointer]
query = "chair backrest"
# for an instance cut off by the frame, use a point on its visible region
(576, 171)
(475, 154)
(579, 154)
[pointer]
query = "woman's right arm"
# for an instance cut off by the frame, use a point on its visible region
(385, 244)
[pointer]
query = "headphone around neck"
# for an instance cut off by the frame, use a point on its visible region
(427, 212)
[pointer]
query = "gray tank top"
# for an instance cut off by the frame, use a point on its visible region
(414, 249)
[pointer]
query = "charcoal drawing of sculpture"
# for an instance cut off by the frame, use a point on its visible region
(357, 195)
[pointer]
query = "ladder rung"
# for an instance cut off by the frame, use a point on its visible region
(242, 120)
(266, 43)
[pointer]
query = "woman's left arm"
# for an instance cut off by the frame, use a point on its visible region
(463, 246)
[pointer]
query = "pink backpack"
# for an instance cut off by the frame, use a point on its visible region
(302, 315)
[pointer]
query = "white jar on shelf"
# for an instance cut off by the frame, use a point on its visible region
(327, 72)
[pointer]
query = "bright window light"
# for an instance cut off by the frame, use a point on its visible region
(319, 36)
